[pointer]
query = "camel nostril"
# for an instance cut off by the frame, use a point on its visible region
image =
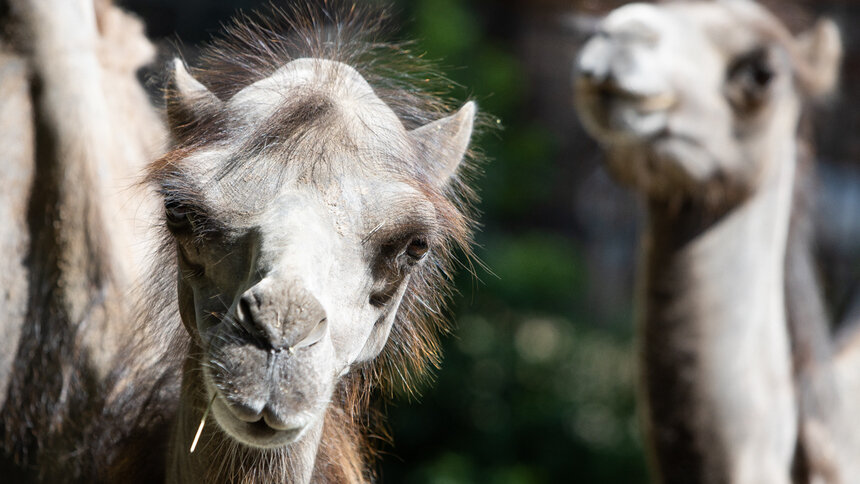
(249, 304)
(246, 316)
(315, 335)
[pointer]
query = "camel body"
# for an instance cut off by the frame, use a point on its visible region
(78, 128)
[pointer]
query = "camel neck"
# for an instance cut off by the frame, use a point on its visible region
(712, 338)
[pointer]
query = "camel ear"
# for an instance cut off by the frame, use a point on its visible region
(189, 102)
(443, 143)
(820, 50)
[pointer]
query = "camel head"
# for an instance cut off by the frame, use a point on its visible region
(302, 210)
(691, 98)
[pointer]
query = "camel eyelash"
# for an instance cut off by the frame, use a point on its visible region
(380, 299)
(187, 219)
(414, 246)
(180, 218)
(193, 272)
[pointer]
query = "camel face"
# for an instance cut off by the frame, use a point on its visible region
(684, 95)
(298, 226)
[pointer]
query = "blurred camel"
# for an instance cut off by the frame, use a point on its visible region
(699, 106)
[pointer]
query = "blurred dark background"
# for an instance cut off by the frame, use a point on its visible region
(537, 385)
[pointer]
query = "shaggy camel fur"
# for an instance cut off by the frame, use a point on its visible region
(77, 129)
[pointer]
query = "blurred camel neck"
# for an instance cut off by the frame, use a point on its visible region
(715, 357)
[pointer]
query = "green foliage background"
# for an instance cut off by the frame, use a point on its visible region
(533, 389)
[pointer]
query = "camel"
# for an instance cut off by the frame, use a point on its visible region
(699, 107)
(77, 128)
(309, 208)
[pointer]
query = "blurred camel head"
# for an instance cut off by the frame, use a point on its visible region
(693, 98)
(304, 213)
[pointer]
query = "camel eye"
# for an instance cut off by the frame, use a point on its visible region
(749, 80)
(178, 218)
(761, 74)
(417, 248)
(756, 74)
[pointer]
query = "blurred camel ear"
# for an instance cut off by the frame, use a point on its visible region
(188, 101)
(820, 51)
(443, 142)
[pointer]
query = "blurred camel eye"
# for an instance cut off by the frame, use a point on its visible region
(417, 248)
(757, 74)
(761, 74)
(749, 79)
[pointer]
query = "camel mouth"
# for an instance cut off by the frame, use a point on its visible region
(610, 110)
(610, 92)
(265, 398)
(261, 434)
(607, 93)
(266, 430)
